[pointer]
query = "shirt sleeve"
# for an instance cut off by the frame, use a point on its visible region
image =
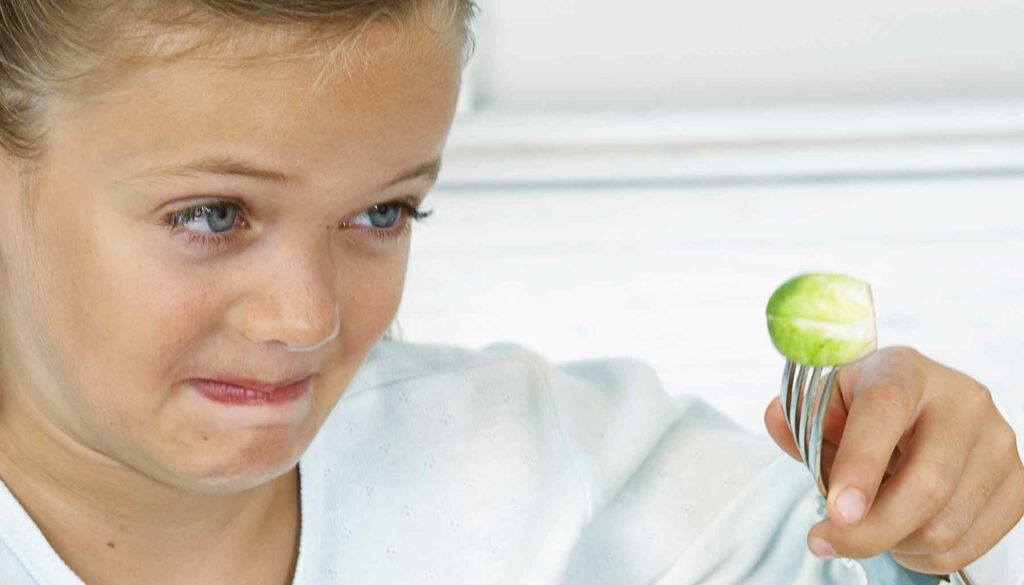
(1004, 563)
(678, 494)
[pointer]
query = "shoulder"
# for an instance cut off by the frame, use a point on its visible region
(611, 415)
(435, 392)
(393, 362)
(611, 384)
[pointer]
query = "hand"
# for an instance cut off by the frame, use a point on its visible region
(919, 462)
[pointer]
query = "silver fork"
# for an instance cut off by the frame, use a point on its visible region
(805, 395)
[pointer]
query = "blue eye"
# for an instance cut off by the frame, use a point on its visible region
(383, 215)
(386, 219)
(210, 225)
(214, 218)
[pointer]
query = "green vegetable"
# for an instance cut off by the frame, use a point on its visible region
(823, 319)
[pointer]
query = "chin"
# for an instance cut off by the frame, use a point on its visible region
(232, 468)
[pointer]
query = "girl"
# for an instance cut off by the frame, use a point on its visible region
(205, 212)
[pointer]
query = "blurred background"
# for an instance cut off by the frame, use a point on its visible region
(636, 178)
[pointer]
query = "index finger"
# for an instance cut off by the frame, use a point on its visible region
(884, 397)
(920, 489)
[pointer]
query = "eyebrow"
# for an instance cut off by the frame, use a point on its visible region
(224, 165)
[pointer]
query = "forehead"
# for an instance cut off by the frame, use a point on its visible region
(305, 109)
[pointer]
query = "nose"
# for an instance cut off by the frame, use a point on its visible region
(292, 302)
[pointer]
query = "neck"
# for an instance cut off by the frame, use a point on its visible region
(108, 520)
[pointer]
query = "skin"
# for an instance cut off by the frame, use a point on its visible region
(133, 476)
(936, 464)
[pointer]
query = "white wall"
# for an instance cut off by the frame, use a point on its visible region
(661, 236)
(572, 52)
(660, 232)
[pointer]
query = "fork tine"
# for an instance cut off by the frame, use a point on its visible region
(794, 400)
(810, 394)
(818, 430)
(788, 380)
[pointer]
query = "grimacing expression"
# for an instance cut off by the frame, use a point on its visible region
(298, 269)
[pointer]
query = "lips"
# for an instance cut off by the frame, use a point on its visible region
(240, 391)
(256, 385)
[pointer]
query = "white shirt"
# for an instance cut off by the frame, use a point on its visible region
(447, 465)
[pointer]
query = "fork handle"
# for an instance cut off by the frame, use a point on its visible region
(884, 570)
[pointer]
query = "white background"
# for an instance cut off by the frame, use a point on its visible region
(741, 51)
(637, 178)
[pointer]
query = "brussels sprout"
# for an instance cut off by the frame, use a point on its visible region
(823, 319)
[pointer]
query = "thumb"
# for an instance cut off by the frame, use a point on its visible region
(775, 422)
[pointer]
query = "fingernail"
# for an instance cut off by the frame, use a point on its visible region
(822, 549)
(850, 505)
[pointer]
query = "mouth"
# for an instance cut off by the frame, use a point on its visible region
(251, 393)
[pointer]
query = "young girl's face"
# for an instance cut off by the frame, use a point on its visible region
(296, 270)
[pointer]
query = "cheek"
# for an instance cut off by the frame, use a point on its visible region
(370, 292)
(119, 316)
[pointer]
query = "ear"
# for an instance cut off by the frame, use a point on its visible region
(20, 184)
(19, 187)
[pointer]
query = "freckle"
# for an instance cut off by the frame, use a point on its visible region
(110, 544)
(206, 438)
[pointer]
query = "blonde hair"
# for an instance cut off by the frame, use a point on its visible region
(74, 48)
